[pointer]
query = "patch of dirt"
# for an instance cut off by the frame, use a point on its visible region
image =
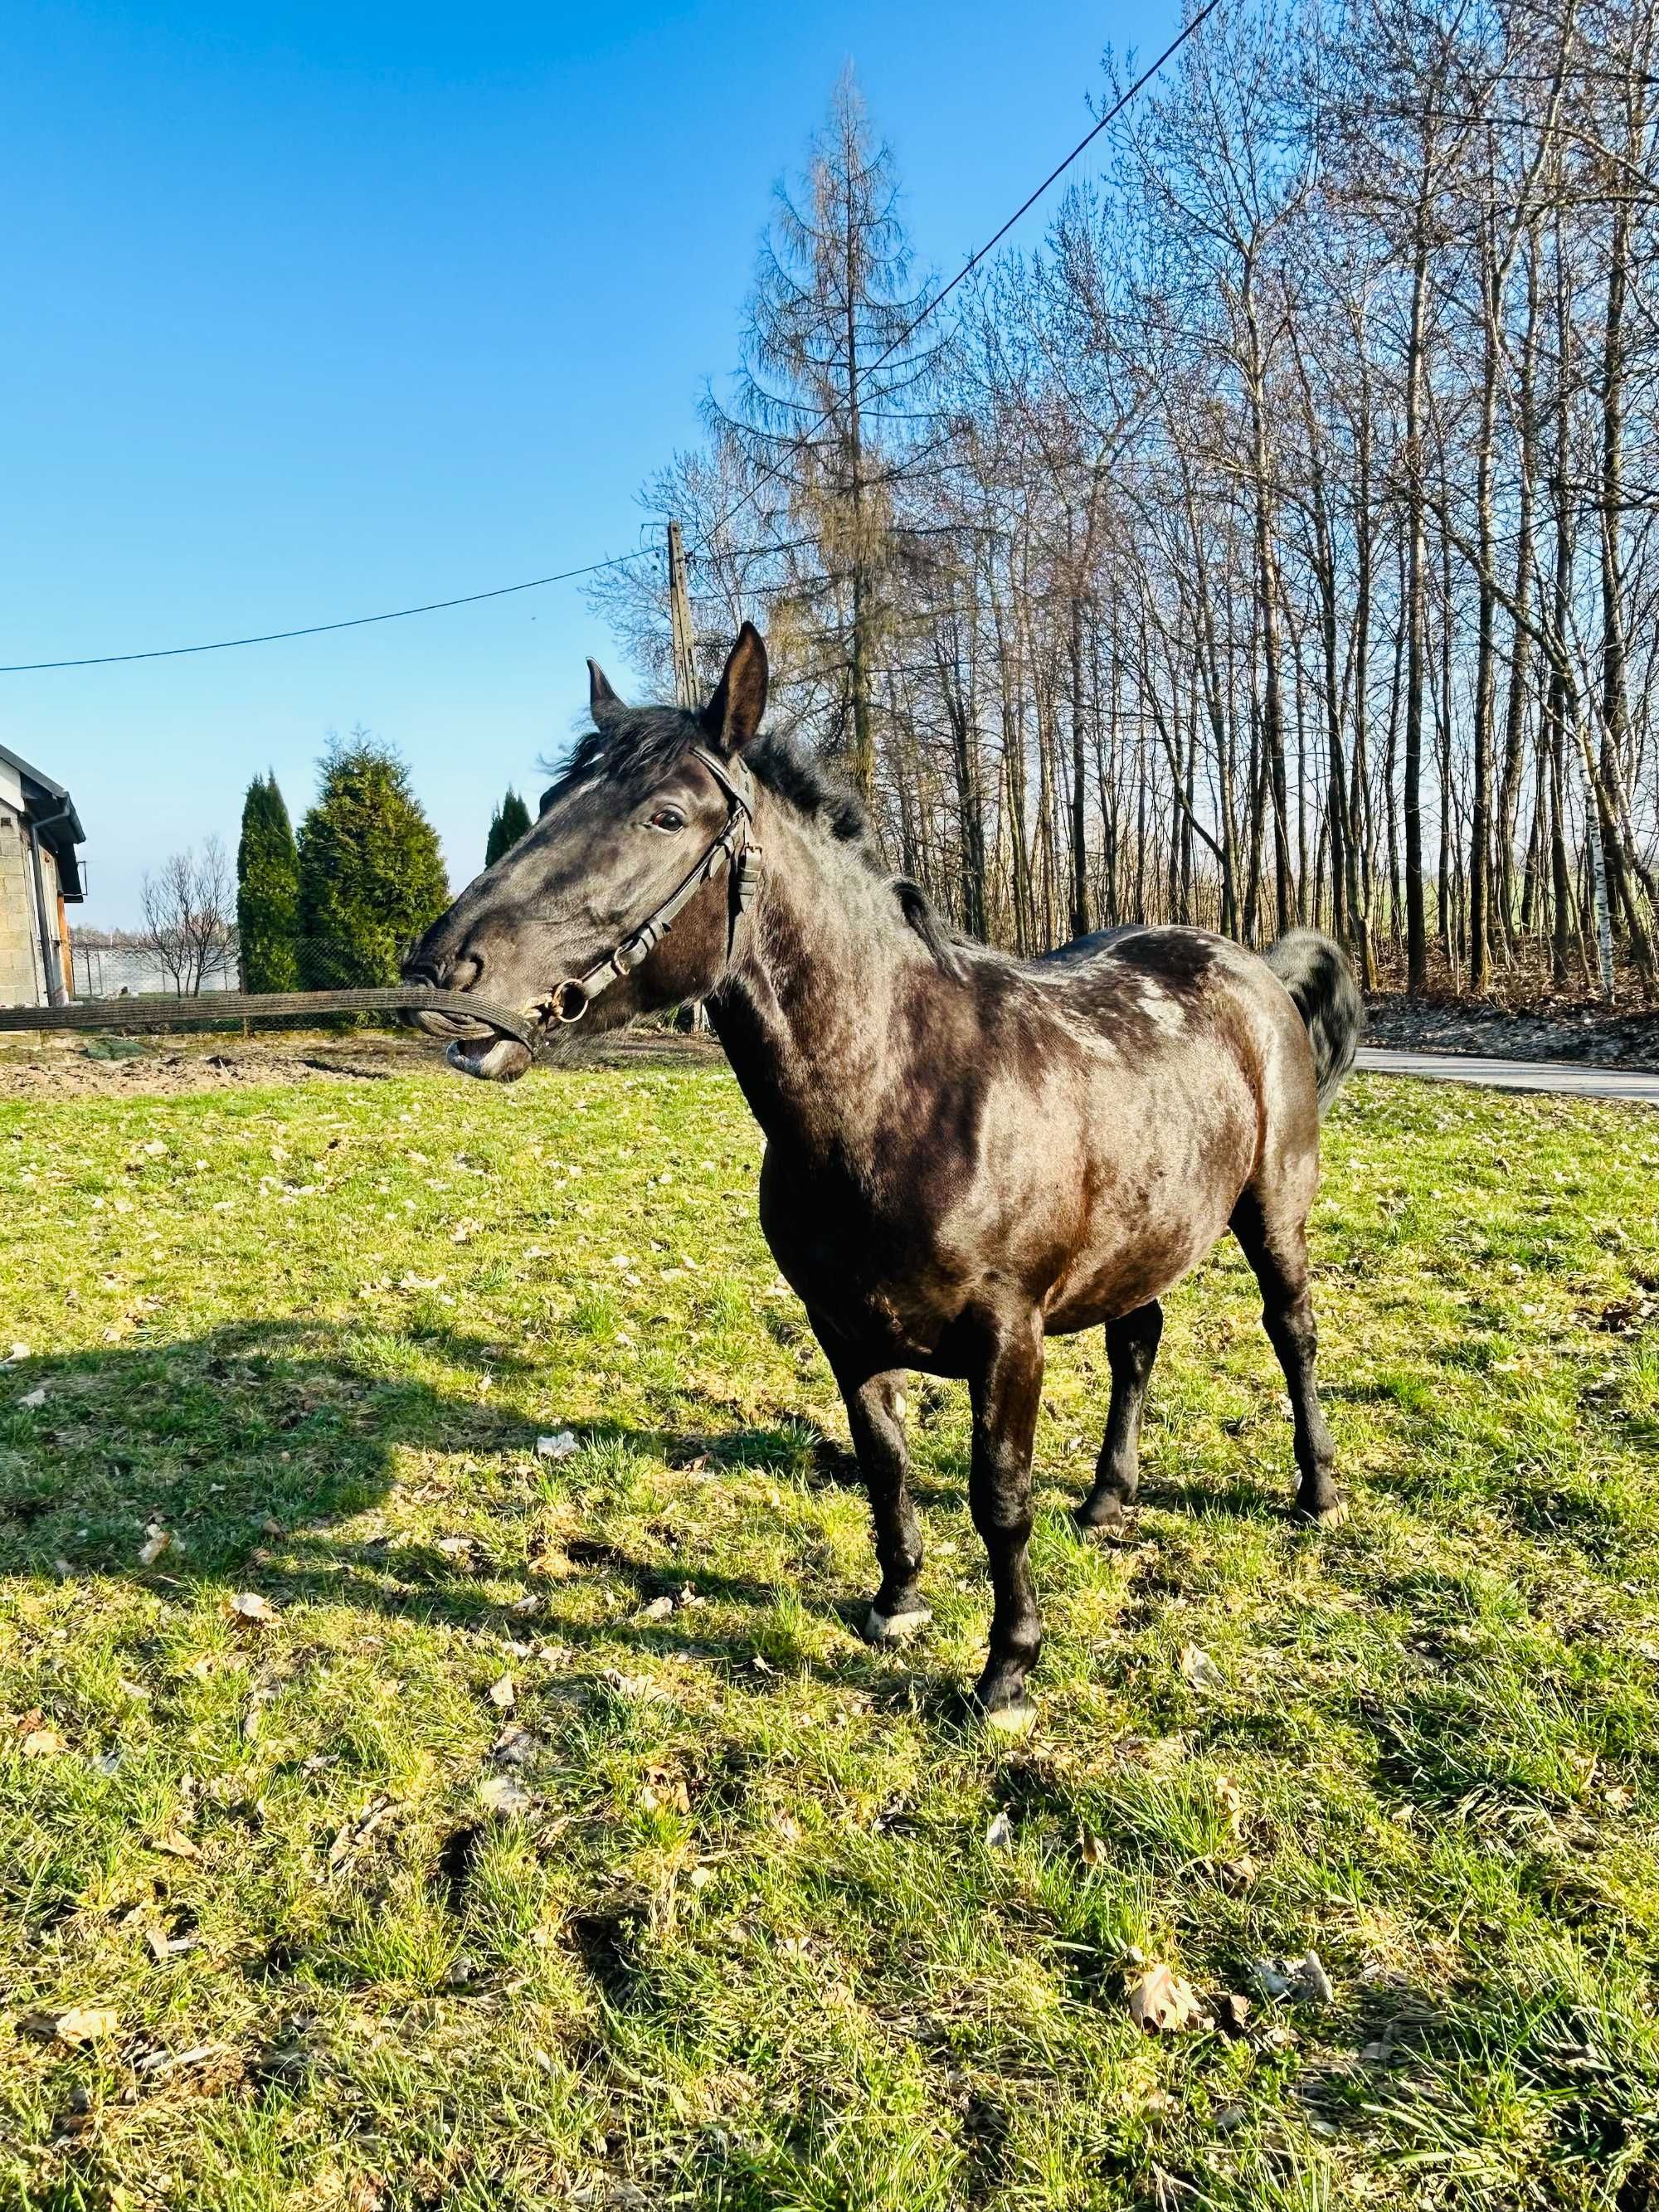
(76, 1067)
(1594, 1036)
(90, 1067)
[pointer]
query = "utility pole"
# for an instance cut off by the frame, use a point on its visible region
(685, 672)
(679, 617)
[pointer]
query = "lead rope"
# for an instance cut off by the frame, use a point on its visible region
(216, 1009)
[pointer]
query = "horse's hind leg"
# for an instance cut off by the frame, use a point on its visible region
(1005, 1385)
(1131, 1348)
(1275, 1242)
(875, 1415)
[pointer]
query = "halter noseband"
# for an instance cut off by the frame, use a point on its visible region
(571, 1000)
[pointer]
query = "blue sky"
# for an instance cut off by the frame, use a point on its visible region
(313, 311)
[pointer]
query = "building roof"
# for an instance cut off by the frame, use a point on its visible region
(50, 808)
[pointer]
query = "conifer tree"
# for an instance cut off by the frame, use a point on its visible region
(831, 385)
(268, 890)
(371, 876)
(507, 825)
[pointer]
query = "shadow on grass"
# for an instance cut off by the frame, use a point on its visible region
(1233, 1498)
(247, 1446)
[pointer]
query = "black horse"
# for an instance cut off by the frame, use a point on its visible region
(965, 1152)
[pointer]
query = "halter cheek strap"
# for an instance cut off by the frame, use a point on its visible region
(734, 845)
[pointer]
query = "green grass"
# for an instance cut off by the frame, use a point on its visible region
(746, 1945)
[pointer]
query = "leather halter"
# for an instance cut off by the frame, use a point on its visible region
(571, 1000)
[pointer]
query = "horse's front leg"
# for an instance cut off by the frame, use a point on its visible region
(875, 1415)
(1006, 1385)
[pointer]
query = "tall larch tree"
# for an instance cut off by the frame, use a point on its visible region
(830, 394)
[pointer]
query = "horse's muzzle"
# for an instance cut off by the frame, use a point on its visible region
(492, 1059)
(474, 1048)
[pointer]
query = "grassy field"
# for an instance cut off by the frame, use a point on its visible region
(392, 1815)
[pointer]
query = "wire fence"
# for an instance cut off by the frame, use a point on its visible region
(132, 969)
(115, 971)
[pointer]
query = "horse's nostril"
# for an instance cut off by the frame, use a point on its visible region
(464, 972)
(432, 973)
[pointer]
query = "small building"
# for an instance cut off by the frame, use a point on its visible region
(40, 876)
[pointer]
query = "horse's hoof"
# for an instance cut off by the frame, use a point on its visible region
(1326, 1516)
(1013, 1720)
(896, 1628)
(1101, 1521)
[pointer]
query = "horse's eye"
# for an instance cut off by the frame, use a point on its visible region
(668, 818)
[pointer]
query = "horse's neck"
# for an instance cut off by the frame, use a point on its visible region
(810, 1012)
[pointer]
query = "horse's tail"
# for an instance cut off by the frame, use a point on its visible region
(1315, 970)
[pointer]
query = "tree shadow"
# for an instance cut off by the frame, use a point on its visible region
(212, 1438)
(246, 1448)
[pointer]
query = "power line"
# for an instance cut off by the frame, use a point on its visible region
(620, 559)
(317, 629)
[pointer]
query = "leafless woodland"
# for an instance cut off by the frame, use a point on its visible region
(1272, 543)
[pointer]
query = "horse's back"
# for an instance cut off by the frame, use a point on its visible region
(1161, 985)
(1200, 1069)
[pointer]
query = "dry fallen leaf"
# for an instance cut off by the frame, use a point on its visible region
(1163, 2004)
(999, 1836)
(630, 1685)
(1233, 2012)
(34, 1399)
(79, 2024)
(662, 1792)
(659, 1609)
(502, 1693)
(176, 1845)
(249, 1606)
(1232, 1804)
(502, 1794)
(1200, 1669)
(354, 1834)
(561, 1446)
(156, 1541)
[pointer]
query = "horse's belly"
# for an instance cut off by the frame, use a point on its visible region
(1162, 1201)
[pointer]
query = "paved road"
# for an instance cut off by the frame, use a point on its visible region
(1566, 1077)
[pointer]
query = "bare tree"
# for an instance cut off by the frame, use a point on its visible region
(1276, 541)
(189, 908)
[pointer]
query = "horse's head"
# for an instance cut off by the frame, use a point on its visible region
(620, 830)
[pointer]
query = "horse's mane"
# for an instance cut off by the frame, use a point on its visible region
(639, 744)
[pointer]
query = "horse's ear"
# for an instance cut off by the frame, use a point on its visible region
(733, 715)
(602, 700)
